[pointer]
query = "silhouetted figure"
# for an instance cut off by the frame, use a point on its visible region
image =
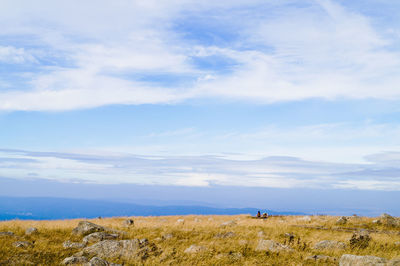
(258, 214)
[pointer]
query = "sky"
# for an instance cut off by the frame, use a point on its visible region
(241, 93)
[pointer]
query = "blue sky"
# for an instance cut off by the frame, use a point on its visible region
(270, 94)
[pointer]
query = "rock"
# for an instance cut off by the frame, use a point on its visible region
(353, 260)
(397, 243)
(304, 219)
(180, 221)
(31, 230)
(321, 258)
(124, 249)
(167, 236)
(128, 223)
(394, 262)
(376, 221)
(360, 240)
(69, 244)
(342, 220)
(330, 244)
(389, 220)
(22, 244)
(99, 236)
(6, 234)
(85, 228)
(228, 223)
(270, 245)
(260, 234)
(96, 261)
(74, 260)
(225, 235)
(195, 249)
(197, 220)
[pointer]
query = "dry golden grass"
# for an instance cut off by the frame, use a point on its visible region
(201, 230)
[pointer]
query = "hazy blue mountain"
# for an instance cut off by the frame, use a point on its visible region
(62, 208)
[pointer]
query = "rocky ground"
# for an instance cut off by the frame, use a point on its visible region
(203, 240)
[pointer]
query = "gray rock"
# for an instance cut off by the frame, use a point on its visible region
(342, 220)
(31, 230)
(389, 220)
(180, 221)
(330, 244)
(125, 249)
(225, 235)
(397, 243)
(96, 261)
(6, 234)
(99, 236)
(128, 223)
(69, 244)
(360, 240)
(74, 260)
(22, 244)
(353, 260)
(260, 234)
(85, 228)
(304, 219)
(228, 223)
(394, 262)
(167, 236)
(195, 249)
(270, 245)
(376, 221)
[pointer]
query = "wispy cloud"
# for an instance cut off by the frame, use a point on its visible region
(278, 172)
(323, 51)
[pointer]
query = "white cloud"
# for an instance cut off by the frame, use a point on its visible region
(320, 50)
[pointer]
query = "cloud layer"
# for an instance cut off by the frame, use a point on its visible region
(69, 55)
(380, 172)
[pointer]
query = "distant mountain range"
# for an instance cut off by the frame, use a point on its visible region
(36, 208)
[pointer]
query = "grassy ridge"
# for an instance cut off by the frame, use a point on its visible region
(239, 249)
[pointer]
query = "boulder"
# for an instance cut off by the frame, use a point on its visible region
(342, 220)
(225, 235)
(85, 228)
(128, 223)
(124, 249)
(180, 221)
(228, 223)
(99, 236)
(376, 221)
(304, 219)
(31, 230)
(167, 236)
(74, 260)
(195, 249)
(389, 220)
(69, 244)
(329, 245)
(22, 244)
(6, 234)
(353, 260)
(270, 245)
(394, 262)
(96, 261)
(360, 240)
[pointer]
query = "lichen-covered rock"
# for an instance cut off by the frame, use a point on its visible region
(342, 220)
(85, 228)
(329, 245)
(394, 262)
(228, 223)
(389, 220)
(225, 235)
(96, 261)
(128, 223)
(74, 260)
(99, 236)
(31, 231)
(6, 234)
(69, 244)
(22, 244)
(270, 245)
(353, 260)
(125, 249)
(195, 249)
(360, 240)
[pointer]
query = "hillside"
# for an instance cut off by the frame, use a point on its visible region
(202, 240)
